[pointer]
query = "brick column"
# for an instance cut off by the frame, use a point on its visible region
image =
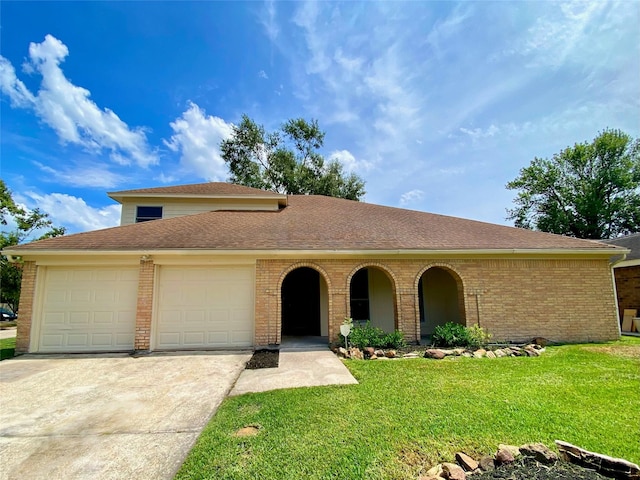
(144, 308)
(27, 297)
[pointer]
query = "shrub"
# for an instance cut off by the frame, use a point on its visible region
(450, 335)
(455, 335)
(369, 336)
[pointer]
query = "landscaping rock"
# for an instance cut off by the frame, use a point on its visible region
(487, 464)
(609, 466)
(467, 354)
(342, 352)
(515, 451)
(451, 471)
(466, 462)
(542, 342)
(435, 471)
(429, 477)
(370, 351)
(410, 355)
(540, 452)
(530, 351)
(458, 351)
(447, 351)
(390, 354)
(490, 354)
(479, 353)
(373, 357)
(379, 353)
(356, 354)
(499, 353)
(504, 456)
(434, 353)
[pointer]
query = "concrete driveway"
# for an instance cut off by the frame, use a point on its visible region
(108, 416)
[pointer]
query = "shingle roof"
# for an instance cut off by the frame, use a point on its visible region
(632, 242)
(205, 189)
(313, 222)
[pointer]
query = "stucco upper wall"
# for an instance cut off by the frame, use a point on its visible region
(177, 207)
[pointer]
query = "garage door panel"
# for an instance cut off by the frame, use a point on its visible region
(88, 309)
(197, 307)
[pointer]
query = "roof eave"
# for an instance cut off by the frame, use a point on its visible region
(536, 252)
(118, 197)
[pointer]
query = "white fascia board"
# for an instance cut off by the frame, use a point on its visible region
(532, 253)
(118, 197)
(628, 263)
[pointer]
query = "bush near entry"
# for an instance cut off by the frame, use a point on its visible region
(455, 335)
(369, 336)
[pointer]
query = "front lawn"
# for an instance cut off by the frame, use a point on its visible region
(407, 415)
(7, 348)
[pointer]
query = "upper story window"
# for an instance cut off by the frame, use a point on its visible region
(144, 214)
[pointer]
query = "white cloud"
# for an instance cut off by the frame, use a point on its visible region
(19, 95)
(68, 109)
(197, 137)
(268, 20)
(263, 74)
(349, 162)
(82, 175)
(73, 212)
(479, 133)
(410, 197)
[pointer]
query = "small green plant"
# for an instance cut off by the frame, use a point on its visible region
(369, 336)
(478, 336)
(455, 335)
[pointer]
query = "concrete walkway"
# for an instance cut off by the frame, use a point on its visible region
(78, 417)
(297, 368)
(8, 333)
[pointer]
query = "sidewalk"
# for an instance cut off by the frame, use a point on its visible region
(296, 369)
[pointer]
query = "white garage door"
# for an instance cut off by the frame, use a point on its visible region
(205, 307)
(89, 309)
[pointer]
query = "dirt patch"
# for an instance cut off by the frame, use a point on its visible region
(626, 351)
(248, 431)
(264, 359)
(528, 468)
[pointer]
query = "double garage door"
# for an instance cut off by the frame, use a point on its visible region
(94, 308)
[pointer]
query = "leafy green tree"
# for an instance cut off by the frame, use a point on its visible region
(590, 190)
(287, 160)
(18, 226)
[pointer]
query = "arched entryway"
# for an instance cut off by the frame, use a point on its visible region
(441, 299)
(305, 304)
(371, 297)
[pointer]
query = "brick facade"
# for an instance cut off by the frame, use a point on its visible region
(144, 309)
(27, 297)
(516, 300)
(628, 288)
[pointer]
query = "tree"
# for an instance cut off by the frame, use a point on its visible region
(590, 190)
(23, 225)
(287, 160)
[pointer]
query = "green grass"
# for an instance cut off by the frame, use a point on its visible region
(7, 348)
(407, 415)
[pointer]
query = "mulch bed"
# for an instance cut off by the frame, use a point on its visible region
(528, 468)
(263, 359)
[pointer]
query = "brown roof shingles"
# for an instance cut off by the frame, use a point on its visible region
(205, 189)
(313, 222)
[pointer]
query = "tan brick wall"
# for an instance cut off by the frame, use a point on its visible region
(144, 308)
(27, 298)
(562, 300)
(628, 287)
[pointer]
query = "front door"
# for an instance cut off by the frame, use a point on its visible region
(301, 303)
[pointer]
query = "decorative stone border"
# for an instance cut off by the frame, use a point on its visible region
(369, 353)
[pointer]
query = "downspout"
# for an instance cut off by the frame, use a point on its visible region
(612, 264)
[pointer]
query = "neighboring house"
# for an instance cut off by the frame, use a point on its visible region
(217, 265)
(627, 273)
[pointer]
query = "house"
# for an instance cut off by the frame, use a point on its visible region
(627, 273)
(217, 265)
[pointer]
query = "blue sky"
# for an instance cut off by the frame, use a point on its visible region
(437, 105)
